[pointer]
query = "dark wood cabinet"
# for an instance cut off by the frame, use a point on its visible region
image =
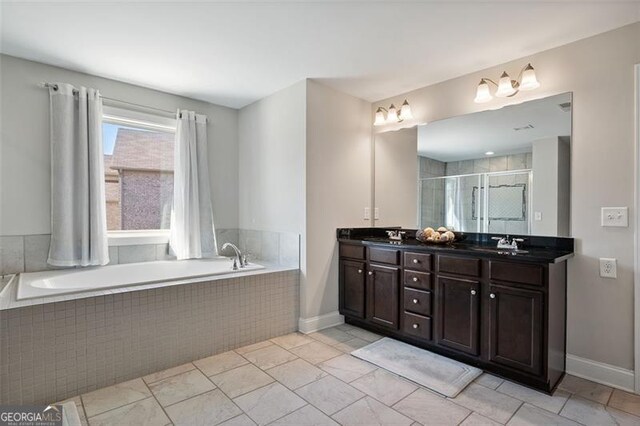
(515, 327)
(383, 288)
(458, 314)
(352, 289)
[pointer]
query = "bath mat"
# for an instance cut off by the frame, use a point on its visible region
(440, 374)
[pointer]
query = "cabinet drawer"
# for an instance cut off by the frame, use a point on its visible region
(417, 261)
(417, 326)
(417, 301)
(352, 251)
(421, 280)
(378, 255)
(517, 273)
(459, 265)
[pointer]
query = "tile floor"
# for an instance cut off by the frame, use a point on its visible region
(312, 380)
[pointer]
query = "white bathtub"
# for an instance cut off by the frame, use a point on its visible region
(53, 283)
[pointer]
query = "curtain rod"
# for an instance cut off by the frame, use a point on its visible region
(75, 91)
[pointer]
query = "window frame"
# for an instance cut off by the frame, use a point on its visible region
(142, 120)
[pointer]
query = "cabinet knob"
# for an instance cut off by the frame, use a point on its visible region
(493, 296)
(473, 292)
(370, 272)
(359, 271)
(416, 325)
(415, 260)
(415, 301)
(415, 279)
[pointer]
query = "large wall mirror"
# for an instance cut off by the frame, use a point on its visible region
(502, 171)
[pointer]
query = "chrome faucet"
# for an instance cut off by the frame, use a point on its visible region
(508, 244)
(396, 235)
(240, 260)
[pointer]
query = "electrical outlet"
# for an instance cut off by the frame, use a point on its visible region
(367, 213)
(376, 213)
(608, 268)
(615, 216)
(537, 216)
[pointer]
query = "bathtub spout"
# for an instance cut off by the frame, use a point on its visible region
(239, 260)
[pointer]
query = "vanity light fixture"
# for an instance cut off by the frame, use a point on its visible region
(392, 114)
(506, 86)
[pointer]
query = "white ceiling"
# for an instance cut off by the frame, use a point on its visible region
(233, 53)
(471, 136)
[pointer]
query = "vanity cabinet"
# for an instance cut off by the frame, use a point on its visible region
(505, 315)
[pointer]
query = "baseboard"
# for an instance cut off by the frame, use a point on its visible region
(600, 372)
(309, 325)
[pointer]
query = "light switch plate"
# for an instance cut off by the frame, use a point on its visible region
(608, 268)
(537, 216)
(367, 213)
(615, 216)
(376, 213)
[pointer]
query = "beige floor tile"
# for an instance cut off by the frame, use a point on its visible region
(115, 396)
(587, 412)
(351, 345)
(316, 352)
(384, 386)
(292, 340)
(241, 420)
(269, 357)
(586, 389)
(489, 403)
(625, 401)
(529, 415)
(430, 409)
(623, 418)
(269, 403)
(489, 381)
(210, 408)
(241, 380)
(364, 334)
(553, 403)
(296, 373)
(183, 386)
(345, 327)
(218, 363)
(155, 377)
(370, 412)
(329, 394)
(305, 416)
(253, 347)
(476, 419)
(331, 336)
(144, 412)
(78, 402)
(346, 367)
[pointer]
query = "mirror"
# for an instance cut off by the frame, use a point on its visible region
(504, 171)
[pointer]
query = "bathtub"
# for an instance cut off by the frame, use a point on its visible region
(53, 283)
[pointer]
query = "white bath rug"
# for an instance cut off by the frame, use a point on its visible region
(443, 375)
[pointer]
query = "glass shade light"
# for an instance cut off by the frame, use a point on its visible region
(505, 87)
(483, 94)
(529, 80)
(405, 111)
(392, 114)
(380, 120)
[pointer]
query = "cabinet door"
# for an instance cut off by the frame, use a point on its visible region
(352, 288)
(515, 329)
(383, 289)
(458, 323)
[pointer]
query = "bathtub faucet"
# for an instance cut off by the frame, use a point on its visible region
(240, 260)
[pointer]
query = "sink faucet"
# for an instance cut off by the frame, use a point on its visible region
(506, 243)
(240, 260)
(396, 235)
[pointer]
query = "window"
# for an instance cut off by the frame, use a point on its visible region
(138, 163)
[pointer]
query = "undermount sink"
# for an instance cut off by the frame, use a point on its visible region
(505, 252)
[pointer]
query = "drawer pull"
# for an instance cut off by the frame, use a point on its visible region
(415, 301)
(415, 260)
(359, 271)
(493, 296)
(473, 292)
(370, 272)
(415, 279)
(416, 325)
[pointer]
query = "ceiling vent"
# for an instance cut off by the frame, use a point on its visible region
(565, 106)
(527, 127)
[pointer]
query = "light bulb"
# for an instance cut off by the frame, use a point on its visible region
(529, 80)
(483, 94)
(489, 153)
(405, 111)
(392, 115)
(380, 120)
(505, 87)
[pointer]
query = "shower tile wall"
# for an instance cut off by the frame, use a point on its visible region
(490, 164)
(28, 253)
(432, 208)
(54, 351)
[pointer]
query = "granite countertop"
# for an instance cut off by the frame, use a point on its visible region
(534, 249)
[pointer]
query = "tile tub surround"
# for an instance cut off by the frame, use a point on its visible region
(52, 351)
(28, 253)
(233, 388)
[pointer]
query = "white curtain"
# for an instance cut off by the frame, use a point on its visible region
(192, 231)
(78, 212)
